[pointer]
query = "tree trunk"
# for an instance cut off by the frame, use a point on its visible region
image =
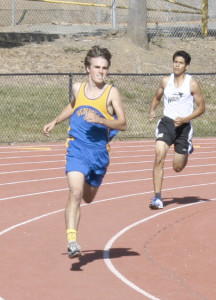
(137, 23)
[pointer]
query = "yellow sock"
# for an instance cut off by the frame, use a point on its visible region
(71, 235)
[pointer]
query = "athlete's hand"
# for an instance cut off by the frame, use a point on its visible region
(178, 121)
(152, 115)
(48, 127)
(92, 117)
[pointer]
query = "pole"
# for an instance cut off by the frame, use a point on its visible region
(70, 86)
(99, 11)
(13, 7)
(113, 3)
(137, 23)
(205, 18)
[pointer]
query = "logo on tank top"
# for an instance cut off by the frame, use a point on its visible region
(175, 97)
(84, 111)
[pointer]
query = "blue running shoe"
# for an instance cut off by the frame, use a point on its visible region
(156, 203)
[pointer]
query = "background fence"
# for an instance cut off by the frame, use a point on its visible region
(28, 101)
(164, 17)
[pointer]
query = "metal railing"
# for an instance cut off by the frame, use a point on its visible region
(164, 17)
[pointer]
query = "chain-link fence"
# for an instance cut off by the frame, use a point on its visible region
(164, 17)
(28, 101)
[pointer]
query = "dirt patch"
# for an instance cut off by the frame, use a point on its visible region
(67, 55)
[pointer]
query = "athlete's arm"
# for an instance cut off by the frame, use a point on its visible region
(198, 99)
(65, 114)
(114, 105)
(157, 97)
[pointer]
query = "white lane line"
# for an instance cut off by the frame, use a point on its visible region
(112, 182)
(32, 156)
(57, 211)
(32, 170)
(111, 153)
(109, 244)
(29, 221)
(32, 180)
(131, 143)
(111, 164)
(33, 162)
(111, 157)
(143, 193)
(95, 202)
(106, 252)
(33, 194)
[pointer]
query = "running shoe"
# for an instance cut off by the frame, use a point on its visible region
(156, 203)
(74, 250)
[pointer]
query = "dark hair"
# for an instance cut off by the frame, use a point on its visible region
(97, 51)
(183, 54)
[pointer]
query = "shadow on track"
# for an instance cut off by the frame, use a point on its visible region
(92, 255)
(184, 200)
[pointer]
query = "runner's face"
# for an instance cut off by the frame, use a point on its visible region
(98, 69)
(179, 65)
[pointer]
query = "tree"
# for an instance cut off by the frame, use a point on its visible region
(137, 23)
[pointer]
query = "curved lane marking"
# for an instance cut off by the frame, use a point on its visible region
(129, 195)
(106, 252)
(111, 241)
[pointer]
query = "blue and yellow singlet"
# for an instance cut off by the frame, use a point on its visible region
(79, 128)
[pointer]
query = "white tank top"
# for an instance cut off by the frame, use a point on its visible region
(178, 101)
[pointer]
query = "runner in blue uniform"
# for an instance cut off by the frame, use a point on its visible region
(180, 91)
(96, 114)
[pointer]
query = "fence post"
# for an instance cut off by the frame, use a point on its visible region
(205, 18)
(99, 11)
(13, 7)
(113, 3)
(70, 86)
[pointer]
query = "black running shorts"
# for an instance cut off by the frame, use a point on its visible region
(181, 136)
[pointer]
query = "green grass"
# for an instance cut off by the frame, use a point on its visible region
(26, 106)
(25, 110)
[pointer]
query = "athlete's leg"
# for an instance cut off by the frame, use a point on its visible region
(89, 192)
(179, 161)
(79, 190)
(160, 155)
(76, 182)
(183, 146)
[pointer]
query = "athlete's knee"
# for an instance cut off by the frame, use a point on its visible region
(180, 162)
(177, 169)
(75, 195)
(88, 199)
(89, 193)
(159, 160)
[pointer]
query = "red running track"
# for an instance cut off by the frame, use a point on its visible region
(129, 251)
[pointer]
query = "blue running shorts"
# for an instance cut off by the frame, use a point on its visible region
(90, 160)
